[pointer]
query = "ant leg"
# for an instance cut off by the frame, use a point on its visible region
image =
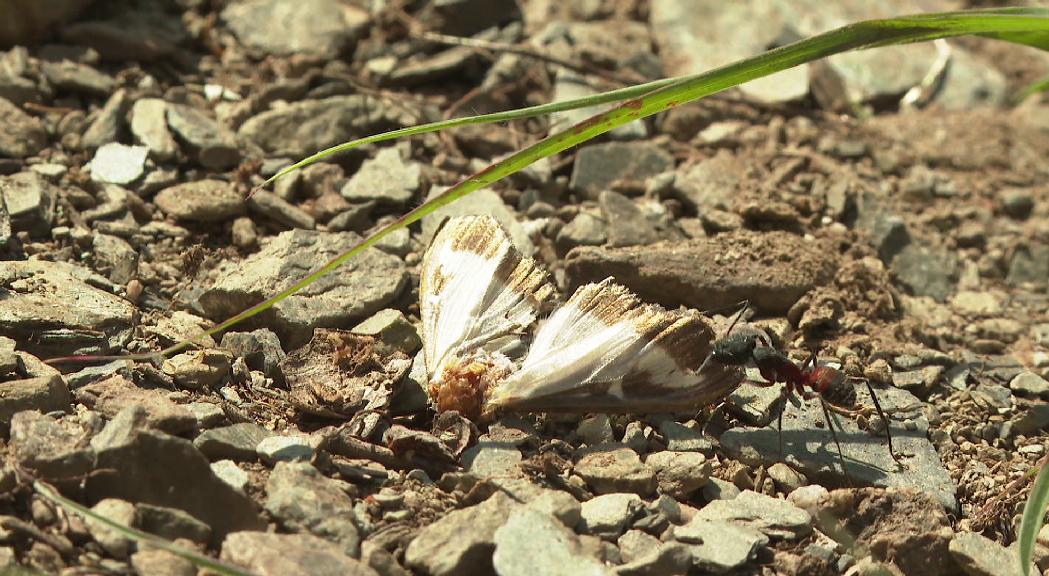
(841, 456)
(885, 419)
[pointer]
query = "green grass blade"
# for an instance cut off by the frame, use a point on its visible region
(1036, 87)
(1024, 23)
(1033, 516)
(198, 560)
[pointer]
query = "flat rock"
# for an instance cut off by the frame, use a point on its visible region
(149, 126)
(30, 202)
(170, 523)
(274, 449)
(116, 163)
(260, 349)
(809, 448)
(679, 474)
(113, 541)
(719, 545)
(212, 144)
(361, 287)
(203, 201)
(303, 499)
(1030, 384)
(152, 467)
(115, 258)
(778, 519)
(980, 556)
(23, 135)
(462, 542)
(274, 208)
(234, 442)
(772, 270)
(50, 449)
(608, 515)
(387, 179)
(633, 226)
(45, 394)
(111, 395)
(668, 558)
(321, 27)
(756, 405)
(310, 126)
(926, 271)
(695, 37)
(267, 554)
(106, 126)
(487, 459)
(161, 563)
(484, 202)
(612, 468)
(391, 329)
(623, 164)
(531, 542)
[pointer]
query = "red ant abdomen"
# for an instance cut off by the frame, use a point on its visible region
(832, 386)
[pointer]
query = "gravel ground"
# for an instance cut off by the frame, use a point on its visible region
(907, 242)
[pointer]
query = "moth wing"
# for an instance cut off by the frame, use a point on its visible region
(606, 351)
(475, 287)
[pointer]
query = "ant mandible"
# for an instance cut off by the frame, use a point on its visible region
(810, 380)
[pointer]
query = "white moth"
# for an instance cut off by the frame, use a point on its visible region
(601, 351)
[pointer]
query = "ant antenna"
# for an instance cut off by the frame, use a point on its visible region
(739, 315)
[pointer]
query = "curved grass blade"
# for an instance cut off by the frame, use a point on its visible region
(198, 560)
(1033, 517)
(1027, 25)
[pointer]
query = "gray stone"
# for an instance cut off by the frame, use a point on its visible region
(105, 128)
(111, 395)
(116, 163)
(230, 473)
(303, 499)
(260, 349)
(114, 542)
(199, 369)
(596, 429)
(1017, 202)
(387, 179)
(461, 542)
(926, 272)
(487, 459)
(30, 202)
(468, 17)
(631, 227)
(634, 544)
(809, 448)
(695, 273)
(719, 545)
(1029, 265)
(1030, 384)
(612, 468)
(608, 515)
(149, 127)
(711, 183)
(718, 489)
(1035, 419)
(52, 450)
(203, 201)
(679, 474)
(171, 523)
(307, 127)
(886, 231)
(777, 519)
(756, 405)
(148, 33)
(669, 559)
(115, 258)
(267, 554)
(158, 562)
(321, 27)
(23, 135)
(214, 146)
(560, 505)
(598, 167)
(152, 467)
(275, 449)
(681, 438)
(361, 287)
(46, 394)
(182, 325)
(786, 478)
(531, 542)
(585, 229)
(273, 207)
(695, 37)
(234, 442)
(484, 202)
(980, 556)
(392, 329)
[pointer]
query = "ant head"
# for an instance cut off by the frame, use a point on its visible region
(735, 348)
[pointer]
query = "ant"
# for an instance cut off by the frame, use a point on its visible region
(832, 387)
